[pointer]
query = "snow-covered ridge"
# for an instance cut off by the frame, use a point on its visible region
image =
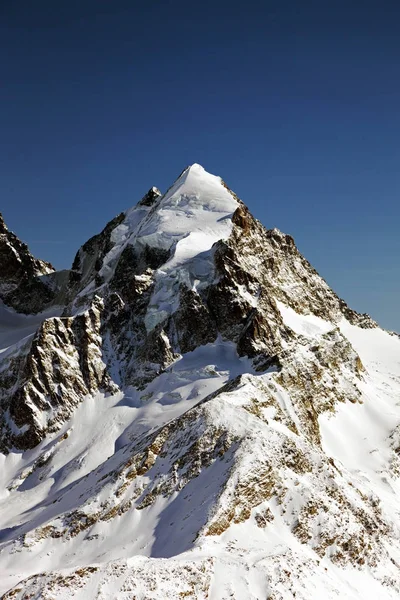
(194, 213)
(197, 205)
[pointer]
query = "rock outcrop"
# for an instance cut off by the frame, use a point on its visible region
(24, 281)
(40, 388)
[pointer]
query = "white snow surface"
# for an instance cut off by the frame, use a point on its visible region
(308, 325)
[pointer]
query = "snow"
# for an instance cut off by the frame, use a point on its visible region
(152, 552)
(100, 427)
(307, 325)
(194, 214)
(359, 435)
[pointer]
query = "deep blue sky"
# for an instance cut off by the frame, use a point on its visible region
(295, 104)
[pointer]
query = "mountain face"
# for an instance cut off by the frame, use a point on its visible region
(190, 411)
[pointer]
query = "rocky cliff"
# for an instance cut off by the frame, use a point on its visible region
(23, 282)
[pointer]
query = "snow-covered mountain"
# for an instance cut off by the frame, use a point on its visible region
(191, 412)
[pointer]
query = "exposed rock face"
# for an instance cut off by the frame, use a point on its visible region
(221, 367)
(61, 366)
(193, 323)
(151, 197)
(23, 282)
(269, 259)
(87, 268)
(16, 260)
(89, 258)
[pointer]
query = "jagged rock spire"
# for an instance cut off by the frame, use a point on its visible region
(3, 226)
(150, 198)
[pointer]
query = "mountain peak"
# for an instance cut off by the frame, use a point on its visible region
(196, 167)
(196, 183)
(3, 226)
(204, 398)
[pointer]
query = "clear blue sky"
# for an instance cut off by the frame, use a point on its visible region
(295, 104)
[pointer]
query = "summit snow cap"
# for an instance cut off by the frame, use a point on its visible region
(195, 213)
(195, 178)
(182, 225)
(197, 201)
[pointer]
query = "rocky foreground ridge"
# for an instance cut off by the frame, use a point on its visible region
(190, 411)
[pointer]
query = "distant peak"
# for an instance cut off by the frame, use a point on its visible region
(195, 167)
(3, 226)
(191, 168)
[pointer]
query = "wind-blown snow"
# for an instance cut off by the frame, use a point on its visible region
(100, 427)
